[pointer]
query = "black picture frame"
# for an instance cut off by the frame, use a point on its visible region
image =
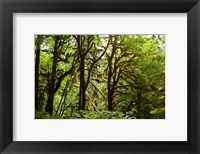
(8, 7)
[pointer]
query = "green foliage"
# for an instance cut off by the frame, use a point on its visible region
(158, 113)
(98, 115)
(42, 115)
(132, 66)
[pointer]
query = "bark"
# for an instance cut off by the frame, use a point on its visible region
(82, 85)
(110, 97)
(49, 105)
(60, 79)
(82, 73)
(37, 63)
(110, 75)
(61, 100)
(94, 62)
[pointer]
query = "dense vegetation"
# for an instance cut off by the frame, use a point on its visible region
(100, 76)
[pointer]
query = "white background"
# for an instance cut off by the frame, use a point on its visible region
(27, 128)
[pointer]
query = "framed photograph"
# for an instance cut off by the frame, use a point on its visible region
(99, 76)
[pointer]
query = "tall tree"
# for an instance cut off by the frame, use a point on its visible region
(114, 71)
(84, 45)
(107, 76)
(49, 105)
(38, 40)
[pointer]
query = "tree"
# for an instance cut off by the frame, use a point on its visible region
(60, 47)
(49, 105)
(82, 51)
(100, 76)
(38, 41)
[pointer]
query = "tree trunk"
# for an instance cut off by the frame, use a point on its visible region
(110, 97)
(49, 105)
(82, 89)
(82, 85)
(63, 96)
(110, 74)
(37, 63)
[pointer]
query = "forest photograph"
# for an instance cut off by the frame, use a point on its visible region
(100, 76)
